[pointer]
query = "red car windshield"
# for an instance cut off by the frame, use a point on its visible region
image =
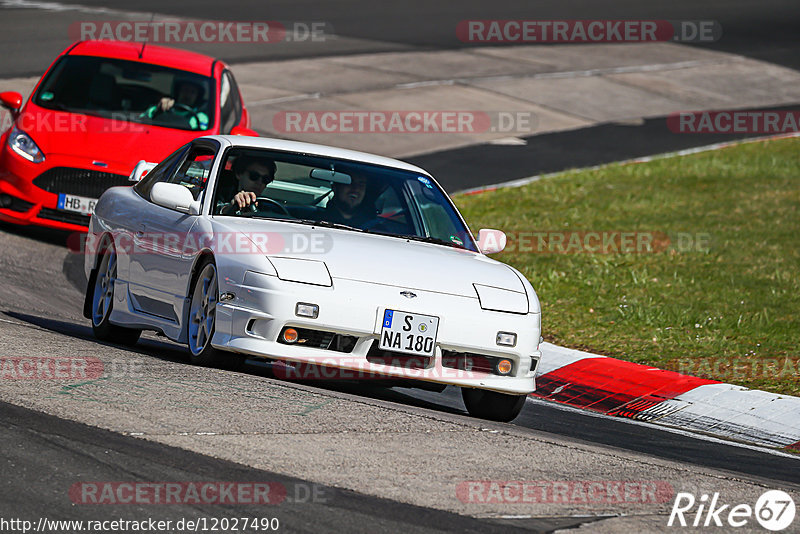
(129, 91)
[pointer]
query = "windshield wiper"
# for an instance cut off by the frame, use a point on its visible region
(325, 224)
(430, 239)
(57, 105)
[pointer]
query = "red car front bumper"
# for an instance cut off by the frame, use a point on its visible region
(29, 191)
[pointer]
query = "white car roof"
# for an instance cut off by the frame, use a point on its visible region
(314, 149)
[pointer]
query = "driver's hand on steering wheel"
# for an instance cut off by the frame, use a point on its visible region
(243, 199)
(166, 103)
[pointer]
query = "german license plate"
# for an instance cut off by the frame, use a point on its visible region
(77, 204)
(411, 333)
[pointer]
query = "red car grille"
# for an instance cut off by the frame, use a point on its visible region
(79, 182)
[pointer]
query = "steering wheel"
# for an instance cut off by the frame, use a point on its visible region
(186, 108)
(169, 118)
(271, 202)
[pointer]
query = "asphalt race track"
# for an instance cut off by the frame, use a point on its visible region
(50, 304)
(36, 443)
(762, 30)
(765, 30)
(42, 284)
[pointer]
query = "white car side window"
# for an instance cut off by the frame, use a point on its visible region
(193, 173)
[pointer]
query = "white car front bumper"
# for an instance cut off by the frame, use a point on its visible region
(258, 310)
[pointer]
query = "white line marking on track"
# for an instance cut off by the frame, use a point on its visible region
(292, 98)
(13, 322)
(59, 7)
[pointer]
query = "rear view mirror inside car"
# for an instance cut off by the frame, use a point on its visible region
(330, 176)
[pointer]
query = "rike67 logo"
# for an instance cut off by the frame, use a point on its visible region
(774, 510)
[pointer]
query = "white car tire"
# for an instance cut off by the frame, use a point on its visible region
(102, 286)
(492, 405)
(202, 320)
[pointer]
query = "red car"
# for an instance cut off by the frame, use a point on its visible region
(100, 108)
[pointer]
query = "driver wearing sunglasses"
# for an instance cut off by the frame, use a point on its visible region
(253, 175)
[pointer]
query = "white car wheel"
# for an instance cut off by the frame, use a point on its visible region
(105, 277)
(202, 312)
(202, 320)
(492, 405)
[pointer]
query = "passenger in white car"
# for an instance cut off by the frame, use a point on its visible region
(348, 204)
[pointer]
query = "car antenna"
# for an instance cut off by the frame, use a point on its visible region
(141, 52)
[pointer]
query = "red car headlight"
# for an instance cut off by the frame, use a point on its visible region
(22, 144)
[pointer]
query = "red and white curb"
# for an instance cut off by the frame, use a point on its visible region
(624, 389)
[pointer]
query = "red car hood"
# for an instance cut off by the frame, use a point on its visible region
(119, 144)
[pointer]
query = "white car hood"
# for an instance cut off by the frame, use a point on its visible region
(388, 260)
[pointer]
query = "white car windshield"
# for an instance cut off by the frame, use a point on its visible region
(338, 193)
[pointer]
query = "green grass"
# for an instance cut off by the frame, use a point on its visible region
(730, 311)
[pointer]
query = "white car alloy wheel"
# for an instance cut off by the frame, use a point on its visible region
(203, 309)
(104, 287)
(202, 318)
(105, 276)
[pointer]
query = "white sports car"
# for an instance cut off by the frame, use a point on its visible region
(316, 256)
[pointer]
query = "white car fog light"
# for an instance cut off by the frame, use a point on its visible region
(504, 367)
(508, 339)
(304, 309)
(290, 335)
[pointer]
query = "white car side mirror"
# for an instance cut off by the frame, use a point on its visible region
(140, 170)
(175, 197)
(491, 241)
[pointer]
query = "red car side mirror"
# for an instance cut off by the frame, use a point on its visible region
(11, 100)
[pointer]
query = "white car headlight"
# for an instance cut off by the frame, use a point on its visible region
(303, 271)
(499, 299)
(22, 144)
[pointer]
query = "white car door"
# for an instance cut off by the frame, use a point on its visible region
(128, 218)
(161, 263)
